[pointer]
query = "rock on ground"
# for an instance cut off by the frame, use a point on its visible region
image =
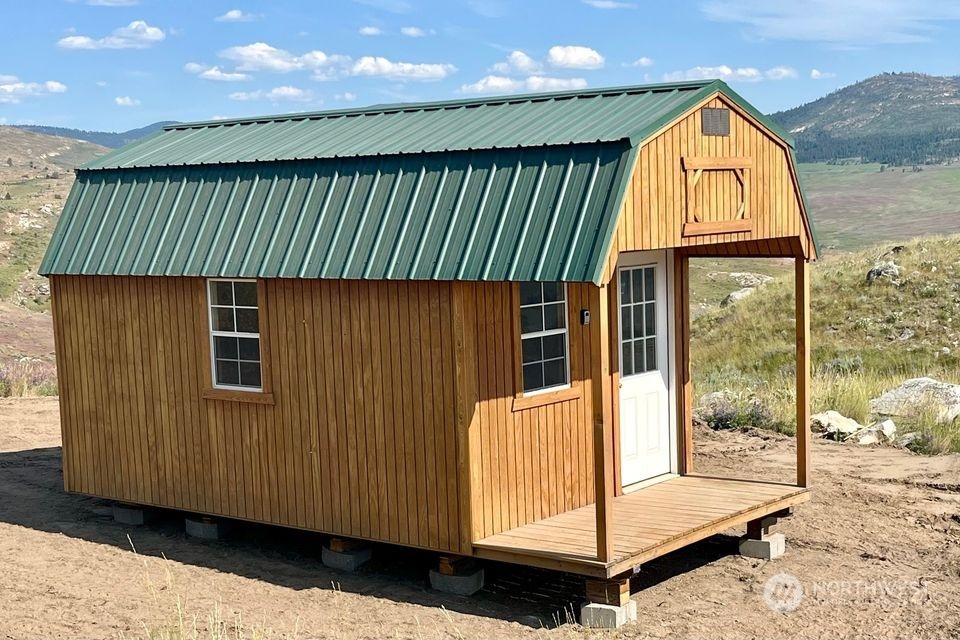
(887, 270)
(736, 296)
(917, 395)
(834, 425)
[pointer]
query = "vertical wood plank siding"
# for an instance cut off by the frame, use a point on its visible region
(535, 462)
(654, 208)
(361, 440)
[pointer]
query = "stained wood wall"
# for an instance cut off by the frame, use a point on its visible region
(654, 208)
(531, 463)
(361, 440)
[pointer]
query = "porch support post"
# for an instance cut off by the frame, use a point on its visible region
(602, 422)
(802, 285)
(681, 297)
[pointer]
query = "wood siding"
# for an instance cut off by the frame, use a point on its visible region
(360, 441)
(535, 462)
(655, 206)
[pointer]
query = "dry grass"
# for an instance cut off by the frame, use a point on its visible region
(27, 377)
(865, 338)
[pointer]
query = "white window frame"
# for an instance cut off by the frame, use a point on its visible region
(541, 334)
(232, 334)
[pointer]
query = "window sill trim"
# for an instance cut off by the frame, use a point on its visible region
(521, 403)
(228, 395)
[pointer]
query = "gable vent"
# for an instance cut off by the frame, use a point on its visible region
(716, 122)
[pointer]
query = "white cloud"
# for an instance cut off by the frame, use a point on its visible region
(416, 32)
(730, 74)
(816, 74)
(574, 57)
(345, 97)
(13, 91)
(101, 83)
(214, 73)
(370, 31)
(643, 61)
(845, 24)
(113, 3)
(502, 84)
(489, 8)
(136, 35)
(379, 66)
(260, 56)
(609, 4)
(277, 94)
(236, 15)
(492, 84)
(780, 73)
(126, 101)
(517, 62)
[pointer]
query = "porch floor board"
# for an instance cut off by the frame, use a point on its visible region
(647, 523)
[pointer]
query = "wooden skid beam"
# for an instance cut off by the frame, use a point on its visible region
(615, 592)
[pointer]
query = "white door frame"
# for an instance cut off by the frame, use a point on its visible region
(636, 259)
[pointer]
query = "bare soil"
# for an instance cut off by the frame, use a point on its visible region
(877, 552)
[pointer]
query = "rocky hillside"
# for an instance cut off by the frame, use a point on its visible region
(36, 173)
(893, 118)
(868, 336)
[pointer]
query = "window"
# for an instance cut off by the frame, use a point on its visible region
(716, 122)
(543, 335)
(638, 320)
(235, 335)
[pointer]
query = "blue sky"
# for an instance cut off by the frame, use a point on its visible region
(119, 64)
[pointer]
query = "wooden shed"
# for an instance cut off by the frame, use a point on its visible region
(460, 326)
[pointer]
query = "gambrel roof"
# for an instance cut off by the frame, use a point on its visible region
(511, 188)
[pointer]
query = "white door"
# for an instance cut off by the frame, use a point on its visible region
(645, 432)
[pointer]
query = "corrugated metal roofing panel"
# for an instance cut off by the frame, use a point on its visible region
(579, 117)
(544, 213)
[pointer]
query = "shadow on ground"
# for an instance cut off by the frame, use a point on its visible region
(32, 495)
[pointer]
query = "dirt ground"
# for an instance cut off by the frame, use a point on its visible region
(877, 553)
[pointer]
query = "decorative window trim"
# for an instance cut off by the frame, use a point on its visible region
(571, 390)
(236, 393)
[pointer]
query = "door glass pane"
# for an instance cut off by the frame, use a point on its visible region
(638, 362)
(625, 297)
(638, 320)
(626, 363)
(651, 354)
(650, 318)
(649, 287)
(626, 322)
(637, 284)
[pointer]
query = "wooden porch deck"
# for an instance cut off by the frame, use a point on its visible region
(647, 523)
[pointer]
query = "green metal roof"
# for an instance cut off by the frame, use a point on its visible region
(520, 214)
(604, 115)
(513, 188)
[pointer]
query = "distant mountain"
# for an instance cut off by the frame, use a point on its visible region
(893, 118)
(102, 138)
